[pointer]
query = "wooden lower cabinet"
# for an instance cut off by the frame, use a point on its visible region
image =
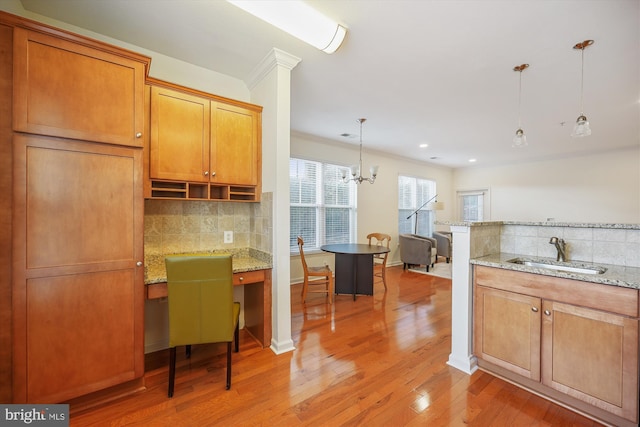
(78, 290)
(558, 348)
(592, 356)
(508, 332)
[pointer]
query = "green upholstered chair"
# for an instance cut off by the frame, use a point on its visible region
(201, 307)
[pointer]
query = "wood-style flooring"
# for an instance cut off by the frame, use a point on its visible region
(376, 361)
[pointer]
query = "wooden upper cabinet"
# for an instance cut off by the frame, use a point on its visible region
(179, 146)
(235, 158)
(71, 90)
(202, 146)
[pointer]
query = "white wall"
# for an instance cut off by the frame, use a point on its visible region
(602, 188)
(378, 202)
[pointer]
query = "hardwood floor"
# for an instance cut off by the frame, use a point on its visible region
(379, 360)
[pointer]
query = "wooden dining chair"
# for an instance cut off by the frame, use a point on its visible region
(380, 260)
(322, 277)
(201, 306)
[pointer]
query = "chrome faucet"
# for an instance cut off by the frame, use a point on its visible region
(560, 246)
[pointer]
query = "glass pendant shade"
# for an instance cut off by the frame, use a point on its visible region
(581, 128)
(520, 140)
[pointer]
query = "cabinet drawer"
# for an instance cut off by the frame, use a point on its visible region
(159, 290)
(248, 277)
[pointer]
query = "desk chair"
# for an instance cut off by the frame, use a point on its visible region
(201, 307)
(380, 260)
(323, 273)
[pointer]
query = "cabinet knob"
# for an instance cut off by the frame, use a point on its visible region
(241, 278)
(139, 263)
(534, 309)
(213, 174)
(206, 173)
(138, 135)
(547, 312)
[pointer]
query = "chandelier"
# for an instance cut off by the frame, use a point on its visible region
(356, 170)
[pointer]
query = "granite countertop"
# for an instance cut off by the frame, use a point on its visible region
(246, 259)
(615, 275)
(625, 226)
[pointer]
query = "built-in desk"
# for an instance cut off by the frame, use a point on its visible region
(249, 271)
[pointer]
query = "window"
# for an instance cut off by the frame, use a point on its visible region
(472, 205)
(412, 194)
(323, 208)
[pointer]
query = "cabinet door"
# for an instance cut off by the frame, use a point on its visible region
(179, 147)
(74, 91)
(78, 292)
(507, 330)
(235, 151)
(592, 356)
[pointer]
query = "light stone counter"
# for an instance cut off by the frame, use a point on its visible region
(246, 259)
(623, 226)
(616, 275)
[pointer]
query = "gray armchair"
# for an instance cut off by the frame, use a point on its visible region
(445, 243)
(417, 250)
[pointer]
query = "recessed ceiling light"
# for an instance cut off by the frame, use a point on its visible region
(472, 160)
(348, 135)
(423, 145)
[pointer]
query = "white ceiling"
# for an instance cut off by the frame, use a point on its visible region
(433, 71)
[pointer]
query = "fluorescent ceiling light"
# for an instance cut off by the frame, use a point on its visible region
(298, 19)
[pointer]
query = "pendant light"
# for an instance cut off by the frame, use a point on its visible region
(582, 127)
(520, 139)
(356, 171)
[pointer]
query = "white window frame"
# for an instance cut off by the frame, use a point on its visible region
(425, 217)
(485, 200)
(320, 205)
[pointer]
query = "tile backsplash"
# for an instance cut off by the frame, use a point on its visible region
(618, 246)
(176, 226)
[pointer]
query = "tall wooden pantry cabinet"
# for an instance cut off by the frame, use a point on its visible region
(77, 275)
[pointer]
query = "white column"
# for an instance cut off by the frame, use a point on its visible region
(270, 86)
(461, 356)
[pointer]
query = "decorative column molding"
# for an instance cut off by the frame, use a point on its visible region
(274, 58)
(270, 86)
(461, 356)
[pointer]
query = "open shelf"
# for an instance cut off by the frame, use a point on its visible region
(202, 191)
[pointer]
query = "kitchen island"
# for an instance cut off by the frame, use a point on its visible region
(544, 329)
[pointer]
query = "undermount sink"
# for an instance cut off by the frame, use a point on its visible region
(579, 268)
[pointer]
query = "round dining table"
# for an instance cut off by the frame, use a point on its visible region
(354, 267)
